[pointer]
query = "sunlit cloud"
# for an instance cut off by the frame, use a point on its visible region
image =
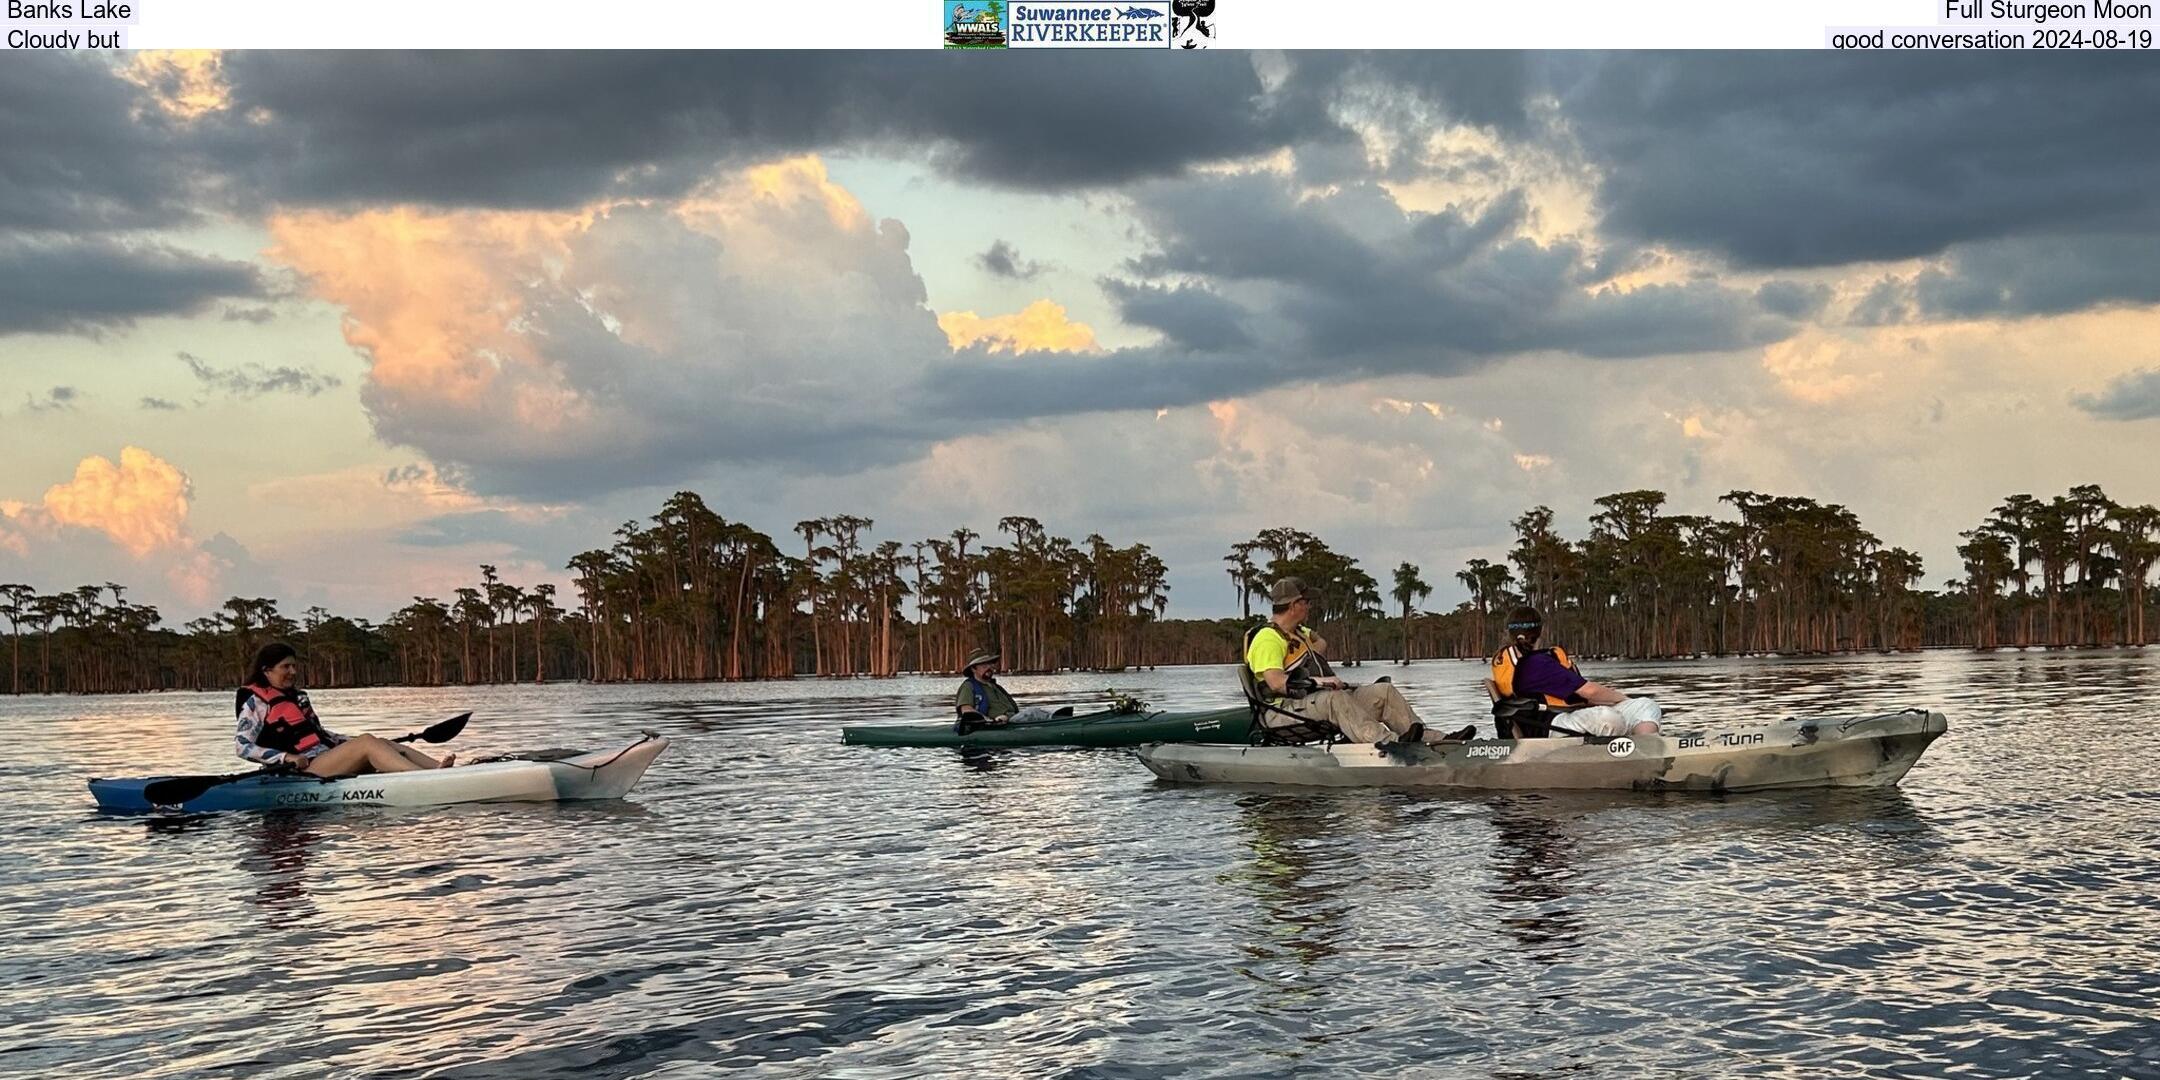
(141, 501)
(1039, 327)
(764, 316)
(183, 83)
(1815, 368)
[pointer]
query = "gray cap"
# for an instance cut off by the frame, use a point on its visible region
(980, 660)
(1287, 590)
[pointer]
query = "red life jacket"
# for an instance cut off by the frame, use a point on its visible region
(291, 726)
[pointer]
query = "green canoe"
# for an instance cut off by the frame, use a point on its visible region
(1231, 725)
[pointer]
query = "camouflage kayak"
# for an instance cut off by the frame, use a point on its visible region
(1863, 751)
(1108, 728)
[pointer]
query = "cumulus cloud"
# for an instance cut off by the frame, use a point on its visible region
(1039, 327)
(141, 501)
(119, 521)
(764, 318)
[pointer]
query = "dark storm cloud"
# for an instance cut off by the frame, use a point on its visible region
(2135, 396)
(73, 286)
(2042, 276)
(1258, 287)
(1358, 278)
(526, 129)
(1187, 315)
(1792, 299)
(1810, 159)
(75, 156)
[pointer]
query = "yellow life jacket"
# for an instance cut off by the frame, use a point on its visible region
(1504, 663)
(1301, 666)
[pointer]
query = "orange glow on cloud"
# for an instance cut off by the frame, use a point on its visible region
(1811, 367)
(430, 297)
(142, 502)
(184, 83)
(1039, 327)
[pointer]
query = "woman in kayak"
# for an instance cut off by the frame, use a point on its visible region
(277, 726)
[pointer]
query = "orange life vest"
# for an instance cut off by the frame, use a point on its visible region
(291, 726)
(1504, 664)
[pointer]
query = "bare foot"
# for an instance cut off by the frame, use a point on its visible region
(447, 761)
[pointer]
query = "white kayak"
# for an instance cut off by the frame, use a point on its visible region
(1861, 751)
(602, 774)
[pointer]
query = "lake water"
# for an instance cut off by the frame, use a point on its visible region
(772, 902)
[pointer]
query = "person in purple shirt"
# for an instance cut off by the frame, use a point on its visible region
(1537, 679)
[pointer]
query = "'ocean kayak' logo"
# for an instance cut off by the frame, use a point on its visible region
(973, 24)
(1192, 23)
(1067, 25)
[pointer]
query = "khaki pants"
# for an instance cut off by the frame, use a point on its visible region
(1372, 713)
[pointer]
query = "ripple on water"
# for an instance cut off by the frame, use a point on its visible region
(770, 901)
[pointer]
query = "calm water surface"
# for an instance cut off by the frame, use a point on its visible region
(769, 901)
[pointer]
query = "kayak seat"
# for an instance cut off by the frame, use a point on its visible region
(1522, 718)
(1273, 725)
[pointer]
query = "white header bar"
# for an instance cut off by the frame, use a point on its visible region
(2107, 25)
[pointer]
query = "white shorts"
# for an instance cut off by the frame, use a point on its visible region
(1610, 719)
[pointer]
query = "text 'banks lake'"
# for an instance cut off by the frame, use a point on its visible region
(770, 901)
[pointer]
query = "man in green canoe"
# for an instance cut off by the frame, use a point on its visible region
(981, 702)
(1285, 656)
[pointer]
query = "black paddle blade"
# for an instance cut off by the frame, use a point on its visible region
(174, 790)
(440, 733)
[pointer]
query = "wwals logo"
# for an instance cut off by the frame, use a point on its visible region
(973, 24)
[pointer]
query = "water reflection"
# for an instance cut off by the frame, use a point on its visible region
(278, 843)
(1533, 877)
(984, 759)
(772, 900)
(1295, 854)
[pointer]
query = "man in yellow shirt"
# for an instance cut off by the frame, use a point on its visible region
(1285, 656)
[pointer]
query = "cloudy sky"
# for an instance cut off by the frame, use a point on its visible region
(336, 328)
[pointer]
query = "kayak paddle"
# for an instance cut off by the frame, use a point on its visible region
(439, 733)
(174, 790)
